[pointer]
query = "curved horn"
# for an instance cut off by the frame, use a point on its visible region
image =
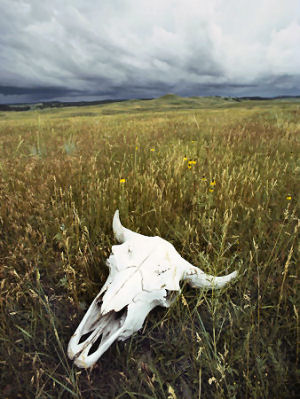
(121, 233)
(196, 278)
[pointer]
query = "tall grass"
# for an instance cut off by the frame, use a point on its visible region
(61, 179)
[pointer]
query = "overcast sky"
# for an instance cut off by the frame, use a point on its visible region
(75, 50)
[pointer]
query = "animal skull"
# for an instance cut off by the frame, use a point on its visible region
(142, 273)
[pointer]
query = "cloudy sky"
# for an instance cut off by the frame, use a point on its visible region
(75, 50)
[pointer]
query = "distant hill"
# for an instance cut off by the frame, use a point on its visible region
(54, 104)
(170, 100)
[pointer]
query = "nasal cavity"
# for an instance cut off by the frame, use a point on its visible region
(95, 345)
(84, 337)
(100, 300)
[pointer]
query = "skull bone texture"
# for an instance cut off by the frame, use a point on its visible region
(143, 271)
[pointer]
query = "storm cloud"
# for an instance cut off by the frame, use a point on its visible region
(100, 49)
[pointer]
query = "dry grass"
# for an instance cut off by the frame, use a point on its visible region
(59, 187)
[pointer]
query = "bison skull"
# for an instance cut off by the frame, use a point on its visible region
(143, 271)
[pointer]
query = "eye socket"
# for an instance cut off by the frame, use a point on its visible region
(170, 295)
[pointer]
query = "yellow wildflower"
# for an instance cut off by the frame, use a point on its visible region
(211, 380)
(211, 190)
(204, 178)
(213, 182)
(171, 392)
(136, 147)
(122, 181)
(192, 162)
(152, 149)
(289, 197)
(185, 158)
(183, 300)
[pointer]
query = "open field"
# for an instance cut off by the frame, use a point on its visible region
(60, 172)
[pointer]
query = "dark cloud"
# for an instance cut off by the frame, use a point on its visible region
(84, 49)
(47, 91)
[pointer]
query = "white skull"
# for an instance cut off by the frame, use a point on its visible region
(142, 273)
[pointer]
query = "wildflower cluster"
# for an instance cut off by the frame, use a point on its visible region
(212, 186)
(190, 163)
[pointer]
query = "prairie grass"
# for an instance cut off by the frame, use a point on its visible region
(64, 172)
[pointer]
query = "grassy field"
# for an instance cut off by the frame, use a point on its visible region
(60, 172)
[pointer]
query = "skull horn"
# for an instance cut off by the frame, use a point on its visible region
(121, 233)
(142, 272)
